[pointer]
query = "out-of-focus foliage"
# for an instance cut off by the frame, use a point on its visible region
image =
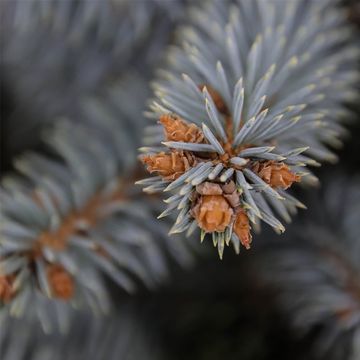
(70, 212)
(123, 336)
(53, 53)
(316, 271)
(73, 215)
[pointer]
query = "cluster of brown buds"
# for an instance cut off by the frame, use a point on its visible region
(217, 207)
(224, 184)
(253, 111)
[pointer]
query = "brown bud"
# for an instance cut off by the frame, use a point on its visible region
(6, 288)
(177, 129)
(242, 228)
(276, 174)
(168, 165)
(213, 213)
(61, 282)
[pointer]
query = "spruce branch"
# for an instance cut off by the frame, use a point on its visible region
(73, 215)
(254, 95)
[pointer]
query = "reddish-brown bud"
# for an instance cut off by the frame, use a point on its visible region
(242, 228)
(168, 165)
(177, 129)
(276, 174)
(61, 282)
(212, 212)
